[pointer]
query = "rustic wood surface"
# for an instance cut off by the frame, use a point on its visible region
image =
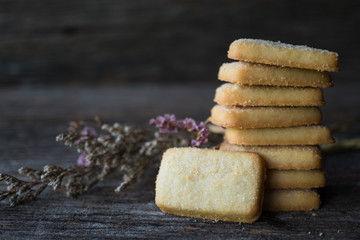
(32, 117)
(128, 61)
(119, 41)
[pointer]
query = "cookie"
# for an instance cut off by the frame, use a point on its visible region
(282, 54)
(262, 117)
(291, 200)
(294, 179)
(260, 74)
(303, 135)
(245, 95)
(282, 157)
(211, 184)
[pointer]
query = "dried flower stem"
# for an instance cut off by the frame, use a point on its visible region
(342, 145)
(110, 147)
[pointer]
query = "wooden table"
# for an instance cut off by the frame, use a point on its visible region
(32, 117)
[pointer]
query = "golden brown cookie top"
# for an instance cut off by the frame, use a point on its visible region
(282, 54)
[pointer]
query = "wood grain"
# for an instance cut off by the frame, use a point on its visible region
(123, 42)
(31, 118)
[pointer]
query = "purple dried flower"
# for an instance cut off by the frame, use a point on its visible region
(201, 126)
(82, 161)
(195, 143)
(85, 133)
(170, 117)
(158, 122)
(190, 124)
(152, 122)
(202, 135)
(88, 131)
(180, 124)
(168, 123)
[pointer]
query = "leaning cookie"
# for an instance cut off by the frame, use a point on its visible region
(245, 95)
(303, 135)
(291, 200)
(211, 184)
(260, 74)
(262, 117)
(294, 179)
(282, 54)
(282, 157)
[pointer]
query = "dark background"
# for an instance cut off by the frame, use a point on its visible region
(93, 42)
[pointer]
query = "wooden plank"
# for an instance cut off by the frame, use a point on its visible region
(30, 119)
(158, 41)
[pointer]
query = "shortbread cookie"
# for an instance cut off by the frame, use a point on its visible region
(211, 184)
(245, 95)
(292, 179)
(260, 74)
(291, 200)
(282, 157)
(304, 135)
(262, 117)
(282, 54)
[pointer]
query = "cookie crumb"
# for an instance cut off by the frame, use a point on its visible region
(315, 214)
(321, 234)
(309, 233)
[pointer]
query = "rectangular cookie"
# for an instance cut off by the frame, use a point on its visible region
(282, 54)
(245, 95)
(260, 74)
(291, 200)
(263, 117)
(282, 157)
(303, 135)
(211, 184)
(294, 179)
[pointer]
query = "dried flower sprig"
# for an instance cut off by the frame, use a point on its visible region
(18, 191)
(104, 148)
(168, 123)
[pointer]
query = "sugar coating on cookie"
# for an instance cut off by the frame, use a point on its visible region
(282, 54)
(245, 95)
(295, 179)
(262, 117)
(260, 74)
(291, 200)
(282, 157)
(211, 184)
(302, 135)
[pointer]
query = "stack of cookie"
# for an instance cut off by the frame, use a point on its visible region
(269, 106)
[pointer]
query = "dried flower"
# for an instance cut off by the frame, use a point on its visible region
(168, 123)
(189, 124)
(105, 148)
(82, 161)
